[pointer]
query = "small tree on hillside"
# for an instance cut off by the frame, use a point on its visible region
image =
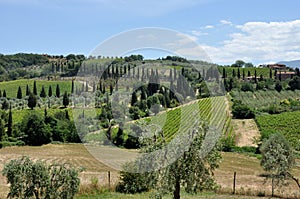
(27, 90)
(32, 101)
(57, 91)
(9, 123)
(19, 94)
(50, 91)
(43, 92)
(277, 159)
(34, 88)
(4, 93)
(190, 170)
(66, 100)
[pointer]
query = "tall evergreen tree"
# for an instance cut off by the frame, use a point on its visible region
(34, 88)
(133, 98)
(255, 76)
(72, 88)
(27, 90)
(2, 129)
(243, 74)
(32, 101)
(66, 100)
(224, 73)
(19, 94)
(9, 123)
(50, 91)
(43, 92)
(238, 74)
(57, 90)
(0, 93)
(4, 93)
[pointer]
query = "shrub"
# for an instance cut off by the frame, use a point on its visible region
(36, 179)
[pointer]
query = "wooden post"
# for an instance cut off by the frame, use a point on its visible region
(272, 185)
(234, 180)
(108, 179)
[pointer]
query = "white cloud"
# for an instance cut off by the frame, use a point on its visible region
(225, 22)
(198, 33)
(208, 27)
(259, 42)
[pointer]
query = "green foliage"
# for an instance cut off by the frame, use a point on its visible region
(295, 83)
(36, 179)
(241, 111)
(19, 94)
(277, 158)
(66, 100)
(32, 101)
(285, 123)
(190, 170)
(36, 131)
(131, 183)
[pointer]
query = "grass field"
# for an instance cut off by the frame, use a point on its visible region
(248, 170)
(11, 87)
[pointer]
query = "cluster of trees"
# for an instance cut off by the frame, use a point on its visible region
(243, 80)
(36, 130)
(29, 179)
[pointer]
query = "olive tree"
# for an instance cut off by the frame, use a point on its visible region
(277, 159)
(186, 165)
(38, 180)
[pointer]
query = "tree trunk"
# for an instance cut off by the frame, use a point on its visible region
(176, 193)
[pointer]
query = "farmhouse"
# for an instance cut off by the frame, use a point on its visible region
(277, 66)
(285, 75)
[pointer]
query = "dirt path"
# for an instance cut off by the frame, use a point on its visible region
(246, 132)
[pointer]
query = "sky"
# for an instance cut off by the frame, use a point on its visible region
(257, 31)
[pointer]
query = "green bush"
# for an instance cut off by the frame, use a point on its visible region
(36, 179)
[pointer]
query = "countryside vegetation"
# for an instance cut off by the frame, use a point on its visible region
(62, 118)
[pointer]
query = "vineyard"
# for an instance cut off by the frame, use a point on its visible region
(260, 100)
(177, 121)
(285, 123)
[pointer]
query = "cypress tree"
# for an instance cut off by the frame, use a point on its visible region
(224, 73)
(9, 123)
(57, 91)
(0, 93)
(133, 98)
(34, 88)
(243, 73)
(255, 76)
(239, 74)
(32, 101)
(27, 90)
(43, 92)
(19, 94)
(72, 88)
(66, 100)
(4, 93)
(50, 91)
(233, 73)
(249, 74)
(111, 89)
(86, 87)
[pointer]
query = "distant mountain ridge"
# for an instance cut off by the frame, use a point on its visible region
(292, 64)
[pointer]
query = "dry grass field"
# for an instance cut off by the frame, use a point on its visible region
(248, 169)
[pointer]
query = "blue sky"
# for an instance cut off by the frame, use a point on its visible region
(258, 31)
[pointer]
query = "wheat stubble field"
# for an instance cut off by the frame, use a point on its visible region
(248, 169)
